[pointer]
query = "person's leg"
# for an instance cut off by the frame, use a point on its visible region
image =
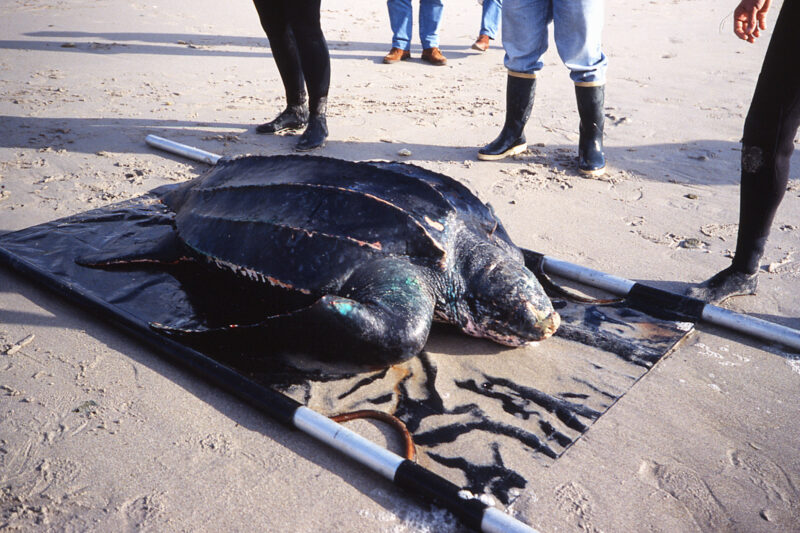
(401, 21)
(430, 20)
(578, 32)
(525, 35)
(316, 64)
(490, 23)
(578, 26)
(284, 50)
(525, 40)
(768, 141)
(767, 145)
(490, 19)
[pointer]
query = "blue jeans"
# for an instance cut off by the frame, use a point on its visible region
(577, 26)
(401, 19)
(490, 18)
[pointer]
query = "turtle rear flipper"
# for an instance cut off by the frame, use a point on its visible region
(167, 250)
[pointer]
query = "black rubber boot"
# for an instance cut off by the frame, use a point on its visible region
(723, 285)
(591, 160)
(294, 117)
(519, 102)
(317, 130)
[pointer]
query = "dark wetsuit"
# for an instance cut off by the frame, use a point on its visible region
(768, 142)
(298, 47)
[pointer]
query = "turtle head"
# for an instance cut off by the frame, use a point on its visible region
(505, 303)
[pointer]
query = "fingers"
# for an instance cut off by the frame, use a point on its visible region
(739, 23)
(750, 17)
(740, 18)
(762, 17)
(752, 20)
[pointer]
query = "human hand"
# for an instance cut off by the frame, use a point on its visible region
(749, 18)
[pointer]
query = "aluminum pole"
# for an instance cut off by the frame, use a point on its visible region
(182, 150)
(708, 313)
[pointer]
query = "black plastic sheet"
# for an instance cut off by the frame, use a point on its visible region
(482, 416)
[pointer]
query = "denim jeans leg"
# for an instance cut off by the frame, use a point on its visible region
(578, 28)
(401, 20)
(525, 33)
(490, 18)
(430, 17)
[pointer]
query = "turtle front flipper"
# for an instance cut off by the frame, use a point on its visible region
(381, 315)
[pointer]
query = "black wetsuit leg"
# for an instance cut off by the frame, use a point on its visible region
(768, 141)
(316, 64)
(315, 61)
(767, 145)
(275, 21)
(301, 53)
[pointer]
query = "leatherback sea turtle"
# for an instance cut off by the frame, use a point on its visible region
(379, 250)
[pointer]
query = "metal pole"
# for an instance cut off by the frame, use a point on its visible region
(183, 150)
(751, 325)
(587, 276)
(406, 473)
(691, 308)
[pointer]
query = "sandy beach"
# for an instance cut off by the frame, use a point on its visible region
(99, 433)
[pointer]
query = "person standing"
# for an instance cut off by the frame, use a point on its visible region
(401, 20)
(301, 54)
(577, 26)
(767, 145)
(490, 23)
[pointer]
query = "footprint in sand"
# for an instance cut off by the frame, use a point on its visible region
(35, 488)
(780, 491)
(143, 512)
(691, 492)
(574, 500)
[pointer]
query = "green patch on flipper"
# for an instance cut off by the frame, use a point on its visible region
(412, 281)
(343, 307)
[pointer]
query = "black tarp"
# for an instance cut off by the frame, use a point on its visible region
(482, 416)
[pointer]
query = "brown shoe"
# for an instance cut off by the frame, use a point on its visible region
(434, 56)
(482, 43)
(395, 55)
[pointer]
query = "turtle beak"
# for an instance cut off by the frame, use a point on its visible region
(509, 306)
(532, 325)
(543, 326)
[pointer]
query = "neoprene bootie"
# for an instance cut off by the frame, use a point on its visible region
(591, 159)
(725, 284)
(519, 102)
(317, 130)
(294, 117)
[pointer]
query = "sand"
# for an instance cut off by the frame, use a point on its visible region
(98, 433)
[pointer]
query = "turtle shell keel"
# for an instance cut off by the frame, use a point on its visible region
(382, 249)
